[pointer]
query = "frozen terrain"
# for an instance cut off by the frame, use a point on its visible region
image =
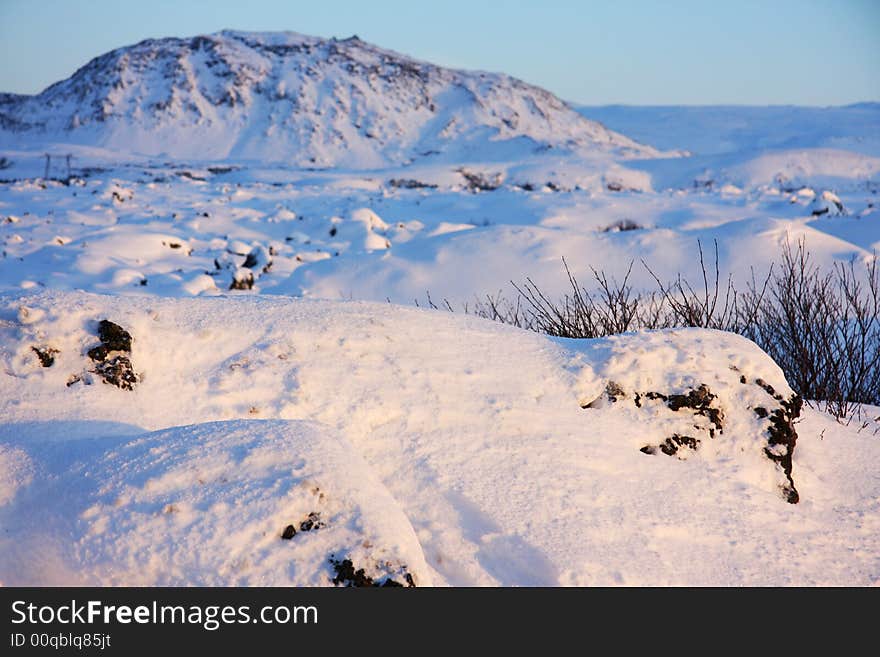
(184, 229)
(243, 207)
(450, 448)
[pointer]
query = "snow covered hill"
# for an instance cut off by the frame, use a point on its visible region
(303, 101)
(268, 440)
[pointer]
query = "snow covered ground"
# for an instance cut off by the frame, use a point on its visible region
(183, 229)
(442, 446)
(274, 420)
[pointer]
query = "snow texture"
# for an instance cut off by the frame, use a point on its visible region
(454, 449)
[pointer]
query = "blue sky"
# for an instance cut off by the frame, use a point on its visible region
(811, 52)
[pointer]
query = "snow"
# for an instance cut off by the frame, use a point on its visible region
(289, 98)
(453, 446)
(712, 130)
(205, 505)
(332, 235)
(260, 211)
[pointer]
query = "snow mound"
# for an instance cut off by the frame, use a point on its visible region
(829, 204)
(241, 503)
(512, 458)
(704, 394)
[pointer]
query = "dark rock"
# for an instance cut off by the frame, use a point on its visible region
(700, 402)
(614, 391)
(288, 533)
(672, 444)
(242, 281)
(409, 183)
(250, 261)
(117, 371)
(313, 522)
(46, 355)
(782, 438)
(478, 182)
(98, 353)
(781, 433)
(348, 576)
(113, 336)
(622, 226)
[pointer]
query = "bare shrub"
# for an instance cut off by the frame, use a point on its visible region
(822, 327)
(702, 308)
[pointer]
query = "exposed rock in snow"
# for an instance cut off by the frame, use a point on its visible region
(111, 358)
(728, 401)
(827, 203)
(242, 279)
(258, 259)
(46, 355)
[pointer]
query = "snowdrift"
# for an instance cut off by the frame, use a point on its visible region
(448, 450)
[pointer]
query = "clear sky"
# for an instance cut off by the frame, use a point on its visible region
(810, 52)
